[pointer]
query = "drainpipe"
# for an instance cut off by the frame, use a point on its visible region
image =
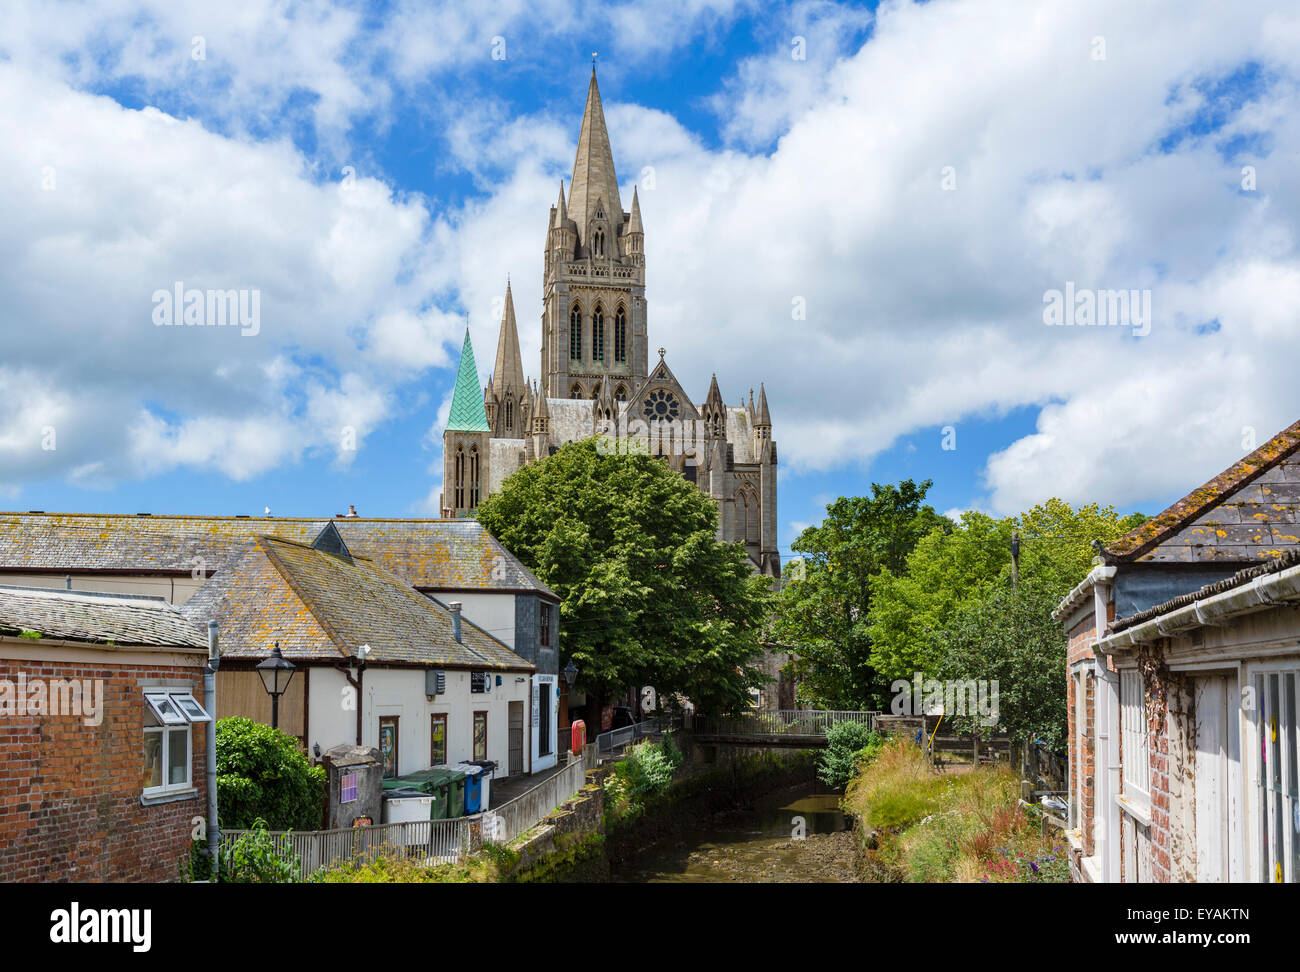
(1105, 809)
(210, 703)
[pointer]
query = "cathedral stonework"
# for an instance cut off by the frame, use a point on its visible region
(597, 377)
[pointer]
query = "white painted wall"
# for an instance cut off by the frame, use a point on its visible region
(494, 613)
(175, 589)
(541, 762)
(400, 692)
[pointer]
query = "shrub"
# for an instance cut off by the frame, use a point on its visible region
(262, 774)
(847, 744)
(253, 859)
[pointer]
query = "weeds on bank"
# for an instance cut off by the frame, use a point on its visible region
(927, 827)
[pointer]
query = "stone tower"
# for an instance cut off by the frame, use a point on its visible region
(594, 310)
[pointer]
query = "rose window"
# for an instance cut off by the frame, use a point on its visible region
(660, 406)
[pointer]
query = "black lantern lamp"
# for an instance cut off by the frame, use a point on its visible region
(570, 674)
(276, 671)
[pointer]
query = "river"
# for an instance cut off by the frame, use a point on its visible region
(757, 843)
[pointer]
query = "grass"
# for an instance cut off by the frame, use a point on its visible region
(930, 827)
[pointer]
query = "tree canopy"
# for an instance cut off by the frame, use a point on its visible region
(826, 600)
(649, 596)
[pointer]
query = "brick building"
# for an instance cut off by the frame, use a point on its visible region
(1183, 664)
(102, 736)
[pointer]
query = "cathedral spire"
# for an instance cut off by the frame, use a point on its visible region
(467, 413)
(593, 169)
(508, 374)
(764, 420)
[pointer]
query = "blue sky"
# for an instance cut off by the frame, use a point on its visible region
(920, 178)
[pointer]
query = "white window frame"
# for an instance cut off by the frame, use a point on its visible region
(167, 723)
(1135, 740)
(1264, 809)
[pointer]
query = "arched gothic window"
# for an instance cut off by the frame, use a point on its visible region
(575, 333)
(595, 391)
(473, 478)
(620, 336)
(620, 394)
(575, 391)
(460, 478)
(510, 414)
(598, 334)
(598, 243)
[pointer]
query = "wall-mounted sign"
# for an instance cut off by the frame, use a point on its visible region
(348, 788)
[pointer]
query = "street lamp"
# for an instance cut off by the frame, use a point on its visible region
(570, 674)
(276, 671)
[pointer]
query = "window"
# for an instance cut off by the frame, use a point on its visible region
(620, 336)
(460, 478)
(620, 393)
(473, 478)
(480, 735)
(575, 391)
(1133, 736)
(437, 738)
(478, 682)
(1277, 802)
(575, 333)
(510, 414)
(546, 625)
(598, 243)
(598, 334)
(168, 740)
(388, 745)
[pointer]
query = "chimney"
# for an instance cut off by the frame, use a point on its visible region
(67, 582)
(352, 510)
(455, 618)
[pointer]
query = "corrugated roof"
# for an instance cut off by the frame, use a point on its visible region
(119, 619)
(426, 553)
(323, 607)
(1164, 525)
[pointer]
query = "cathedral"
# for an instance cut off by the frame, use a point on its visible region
(597, 377)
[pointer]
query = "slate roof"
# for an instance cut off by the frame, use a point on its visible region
(1242, 577)
(426, 553)
(323, 607)
(122, 619)
(1161, 527)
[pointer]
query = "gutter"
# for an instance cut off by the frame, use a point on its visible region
(1263, 592)
(1075, 598)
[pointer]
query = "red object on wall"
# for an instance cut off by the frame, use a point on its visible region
(578, 735)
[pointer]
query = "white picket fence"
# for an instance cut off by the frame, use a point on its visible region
(427, 841)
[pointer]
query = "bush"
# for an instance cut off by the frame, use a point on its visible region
(254, 859)
(847, 744)
(646, 772)
(262, 774)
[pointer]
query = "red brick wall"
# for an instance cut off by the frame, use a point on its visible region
(1158, 724)
(70, 793)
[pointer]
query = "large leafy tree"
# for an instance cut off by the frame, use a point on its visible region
(954, 571)
(826, 600)
(649, 595)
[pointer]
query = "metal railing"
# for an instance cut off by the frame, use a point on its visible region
(793, 722)
(613, 743)
(428, 841)
(506, 822)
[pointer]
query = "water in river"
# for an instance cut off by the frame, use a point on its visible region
(759, 843)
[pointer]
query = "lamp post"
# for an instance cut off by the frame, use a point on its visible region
(276, 671)
(570, 674)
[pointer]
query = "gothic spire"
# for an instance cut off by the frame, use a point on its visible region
(593, 169)
(763, 419)
(561, 210)
(467, 413)
(509, 371)
(634, 220)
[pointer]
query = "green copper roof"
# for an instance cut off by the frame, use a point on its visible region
(467, 413)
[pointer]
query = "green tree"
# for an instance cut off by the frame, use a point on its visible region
(826, 600)
(950, 571)
(261, 773)
(649, 596)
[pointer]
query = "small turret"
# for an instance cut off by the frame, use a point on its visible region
(714, 412)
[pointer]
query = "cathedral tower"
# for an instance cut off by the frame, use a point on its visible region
(594, 310)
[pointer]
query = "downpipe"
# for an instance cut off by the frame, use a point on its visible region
(210, 703)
